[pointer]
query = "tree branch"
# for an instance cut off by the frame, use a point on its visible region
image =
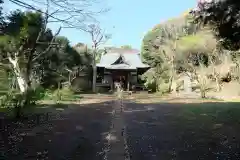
(49, 46)
(4, 65)
(40, 34)
(75, 14)
(13, 61)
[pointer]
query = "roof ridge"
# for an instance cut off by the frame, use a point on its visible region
(123, 59)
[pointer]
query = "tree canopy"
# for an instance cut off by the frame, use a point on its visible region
(223, 17)
(164, 32)
(21, 36)
(175, 46)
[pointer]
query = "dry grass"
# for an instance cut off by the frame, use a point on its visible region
(84, 99)
(155, 98)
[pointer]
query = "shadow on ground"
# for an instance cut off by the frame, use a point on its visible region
(154, 131)
(183, 131)
(68, 131)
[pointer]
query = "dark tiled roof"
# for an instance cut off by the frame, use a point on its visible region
(121, 50)
(131, 61)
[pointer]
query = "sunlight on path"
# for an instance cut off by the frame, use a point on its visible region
(117, 144)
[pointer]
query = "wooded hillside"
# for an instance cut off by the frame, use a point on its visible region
(188, 44)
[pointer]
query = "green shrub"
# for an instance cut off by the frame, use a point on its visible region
(163, 88)
(4, 100)
(62, 94)
(35, 94)
(48, 94)
(10, 99)
(151, 86)
(17, 101)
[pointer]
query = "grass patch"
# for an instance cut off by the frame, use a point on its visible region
(233, 100)
(9, 112)
(59, 95)
(50, 99)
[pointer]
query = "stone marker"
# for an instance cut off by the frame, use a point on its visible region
(187, 83)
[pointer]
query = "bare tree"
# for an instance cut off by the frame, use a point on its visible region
(70, 13)
(98, 37)
(170, 52)
(215, 72)
(200, 75)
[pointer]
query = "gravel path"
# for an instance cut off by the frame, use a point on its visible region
(126, 130)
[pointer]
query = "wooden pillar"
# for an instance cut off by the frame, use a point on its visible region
(128, 84)
(137, 73)
(112, 82)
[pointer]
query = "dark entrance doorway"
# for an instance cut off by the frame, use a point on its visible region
(120, 76)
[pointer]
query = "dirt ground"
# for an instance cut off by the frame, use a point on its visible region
(145, 127)
(183, 131)
(68, 131)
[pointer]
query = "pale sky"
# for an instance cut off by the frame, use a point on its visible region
(128, 20)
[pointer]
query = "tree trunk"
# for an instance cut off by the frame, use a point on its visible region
(203, 93)
(23, 84)
(170, 88)
(218, 84)
(170, 84)
(23, 100)
(216, 80)
(157, 84)
(94, 78)
(174, 87)
(203, 87)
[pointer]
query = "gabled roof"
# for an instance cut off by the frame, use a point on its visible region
(131, 61)
(121, 50)
(120, 60)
